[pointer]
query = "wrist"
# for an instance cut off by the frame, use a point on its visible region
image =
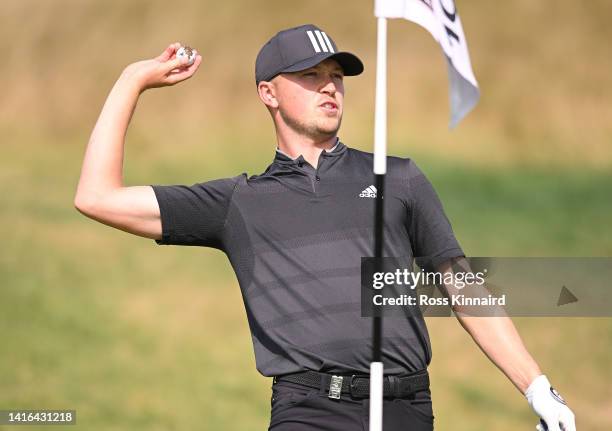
(527, 377)
(131, 81)
(538, 385)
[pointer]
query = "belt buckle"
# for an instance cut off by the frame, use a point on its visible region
(335, 387)
(352, 386)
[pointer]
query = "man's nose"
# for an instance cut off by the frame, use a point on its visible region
(329, 87)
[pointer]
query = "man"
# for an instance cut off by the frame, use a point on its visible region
(295, 236)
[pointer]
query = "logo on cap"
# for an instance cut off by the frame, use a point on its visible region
(323, 41)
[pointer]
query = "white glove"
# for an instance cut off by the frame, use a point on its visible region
(550, 406)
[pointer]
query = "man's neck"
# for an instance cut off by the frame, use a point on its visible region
(309, 148)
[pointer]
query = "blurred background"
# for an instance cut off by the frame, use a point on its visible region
(132, 335)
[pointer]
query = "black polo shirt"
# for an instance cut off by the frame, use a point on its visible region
(295, 236)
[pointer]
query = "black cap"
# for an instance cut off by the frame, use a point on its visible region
(300, 48)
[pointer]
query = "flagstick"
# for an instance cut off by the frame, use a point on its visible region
(380, 169)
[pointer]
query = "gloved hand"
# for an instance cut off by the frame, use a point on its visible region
(550, 406)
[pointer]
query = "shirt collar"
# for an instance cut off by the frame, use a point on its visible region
(285, 158)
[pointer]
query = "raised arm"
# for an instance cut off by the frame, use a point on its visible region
(101, 194)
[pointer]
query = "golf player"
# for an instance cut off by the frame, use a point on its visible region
(295, 235)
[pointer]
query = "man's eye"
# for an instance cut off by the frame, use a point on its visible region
(310, 73)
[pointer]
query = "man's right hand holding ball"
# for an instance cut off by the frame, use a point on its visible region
(163, 70)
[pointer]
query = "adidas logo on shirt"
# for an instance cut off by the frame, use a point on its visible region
(369, 192)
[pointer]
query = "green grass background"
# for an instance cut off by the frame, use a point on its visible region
(133, 336)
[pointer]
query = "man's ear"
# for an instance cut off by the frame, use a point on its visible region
(267, 94)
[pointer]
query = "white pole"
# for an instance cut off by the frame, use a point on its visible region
(380, 168)
(380, 108)
(376, 396)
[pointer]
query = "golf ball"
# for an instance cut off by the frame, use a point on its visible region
(185, 51)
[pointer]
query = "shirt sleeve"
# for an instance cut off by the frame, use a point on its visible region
(430, 231)
(194, 215)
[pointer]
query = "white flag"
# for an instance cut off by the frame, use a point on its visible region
(440, 18)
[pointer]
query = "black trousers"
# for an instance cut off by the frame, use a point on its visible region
(300, 408)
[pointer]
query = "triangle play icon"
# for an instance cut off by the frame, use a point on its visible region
(566, 297)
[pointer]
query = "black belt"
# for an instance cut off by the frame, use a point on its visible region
(358, 386)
